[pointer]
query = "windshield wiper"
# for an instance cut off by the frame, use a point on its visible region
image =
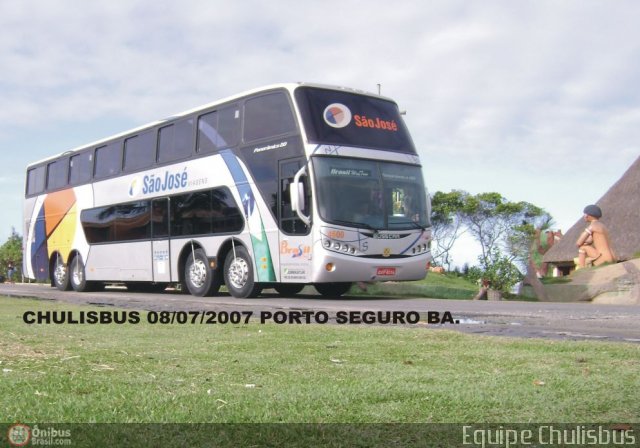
(353, 224)
(413, 223)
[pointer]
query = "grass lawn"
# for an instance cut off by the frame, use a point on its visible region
(302, 373)
(437, 286)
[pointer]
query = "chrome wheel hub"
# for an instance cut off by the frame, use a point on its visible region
(60, 273)
(77, 276)
(198, 273)
(238, 273)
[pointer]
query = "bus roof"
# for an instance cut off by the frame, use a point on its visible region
(288, 86)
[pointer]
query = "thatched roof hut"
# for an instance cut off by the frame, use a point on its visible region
(620, 213)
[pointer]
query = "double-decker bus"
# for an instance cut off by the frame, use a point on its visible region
(280, 187)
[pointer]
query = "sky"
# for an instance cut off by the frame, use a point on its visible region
(537, 100)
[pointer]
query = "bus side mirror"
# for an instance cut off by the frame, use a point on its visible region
(297, 195)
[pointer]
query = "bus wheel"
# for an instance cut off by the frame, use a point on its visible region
(288, 289)
(332, 289)
(77, 278)
(201, 281)
(60, 275)
(238, 274)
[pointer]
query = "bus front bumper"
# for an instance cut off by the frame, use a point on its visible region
(344, 268)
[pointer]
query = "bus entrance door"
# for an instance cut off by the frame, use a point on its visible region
(295, 242)
(160, 248)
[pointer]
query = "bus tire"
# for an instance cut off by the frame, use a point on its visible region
(288, 289)
(332, 289)
(238, 274)
(201, 281)
(77, 276)
(60, 275)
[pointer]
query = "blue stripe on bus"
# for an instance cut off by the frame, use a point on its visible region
(39, 251)
(262, 253)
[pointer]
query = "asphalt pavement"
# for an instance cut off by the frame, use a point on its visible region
(575, 321)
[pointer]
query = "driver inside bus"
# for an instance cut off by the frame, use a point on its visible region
(361, 212)
(409, 207)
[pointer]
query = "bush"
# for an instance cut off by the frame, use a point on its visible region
(498, 272)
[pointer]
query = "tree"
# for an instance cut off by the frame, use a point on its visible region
(501, 226)
(11, 251)
(497, 223)
(446, 222)
(504, 230)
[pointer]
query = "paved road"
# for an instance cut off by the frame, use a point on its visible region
(578, 321)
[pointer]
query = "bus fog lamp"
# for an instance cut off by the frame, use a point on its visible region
(330, 267)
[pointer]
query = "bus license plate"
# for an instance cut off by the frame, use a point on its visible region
(386, 272)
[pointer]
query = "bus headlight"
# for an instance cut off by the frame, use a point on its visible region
(339, 247)
(419, 249)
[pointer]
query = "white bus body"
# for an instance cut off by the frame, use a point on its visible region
(281, 187)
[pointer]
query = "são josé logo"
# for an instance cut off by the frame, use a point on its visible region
(134, 187)
(160, 182)
(337, 115)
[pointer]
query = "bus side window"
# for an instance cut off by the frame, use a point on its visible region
(57, 174)
(35, 180)
(190, 214)
(108, 160)
(229, 125)
(268, 116)
(209, 139)
(80, 168)
(140, 151)
(132, 222)
(227, 217)
(175, 141)
(98, 224)
(160, 218)
(218, 129)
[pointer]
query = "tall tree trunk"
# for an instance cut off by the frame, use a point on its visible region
(532, 279)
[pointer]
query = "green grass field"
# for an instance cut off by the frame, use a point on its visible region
(437, 286)
(302, 373)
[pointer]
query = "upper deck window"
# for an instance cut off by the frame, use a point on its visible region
(35, 180)
(175, 141)
(219, 129)
(140, 151)
(268, 116)
(108, 160)
(57, 174)
(80, 168)
(341, 118)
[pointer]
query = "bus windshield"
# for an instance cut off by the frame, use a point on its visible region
(342, 118)
(370, 194)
